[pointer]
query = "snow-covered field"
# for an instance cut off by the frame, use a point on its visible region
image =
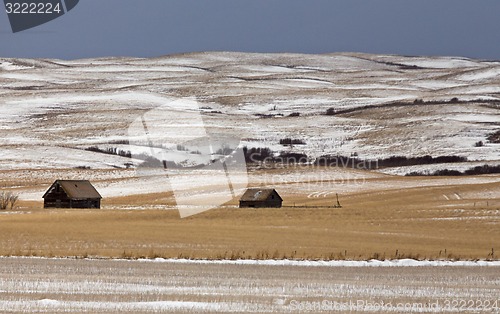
(181, 286)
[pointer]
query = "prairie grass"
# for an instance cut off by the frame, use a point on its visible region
(420, 220)
(385, 225)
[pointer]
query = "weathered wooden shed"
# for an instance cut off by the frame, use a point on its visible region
(72, 194)
(261, 198)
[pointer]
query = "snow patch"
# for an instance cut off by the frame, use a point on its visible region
(337, 263)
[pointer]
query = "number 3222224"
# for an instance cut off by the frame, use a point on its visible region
(32, 8)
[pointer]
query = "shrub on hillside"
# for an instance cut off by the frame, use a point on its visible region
(401, 161)
(110, 151)
(494, 137)
(152, 162)
(331, 112)
(478, 170)
(290, 141)
(257, 154)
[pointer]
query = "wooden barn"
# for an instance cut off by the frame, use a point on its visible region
(261, 198)
(72, 194)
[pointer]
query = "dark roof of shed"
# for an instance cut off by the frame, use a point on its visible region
(258, 195)
(77, 189)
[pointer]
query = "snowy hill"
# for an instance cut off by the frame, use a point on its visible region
(53, 109)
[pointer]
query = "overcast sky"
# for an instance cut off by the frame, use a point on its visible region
(145, 28)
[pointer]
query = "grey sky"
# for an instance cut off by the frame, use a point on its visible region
(146, 28)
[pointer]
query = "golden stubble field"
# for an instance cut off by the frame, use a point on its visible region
(432, 221)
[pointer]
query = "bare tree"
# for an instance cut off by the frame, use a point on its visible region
(13, 200)
(8, 199)
(4, 200)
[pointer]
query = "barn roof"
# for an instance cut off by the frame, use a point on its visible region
(77, 189)
(258, 194)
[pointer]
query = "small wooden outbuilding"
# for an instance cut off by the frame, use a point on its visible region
(72, 194)
(261, 198)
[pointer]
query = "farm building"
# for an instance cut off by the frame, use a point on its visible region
(72, 194)
(261, 198)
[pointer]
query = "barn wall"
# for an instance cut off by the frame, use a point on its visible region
(68, 203)
(87, 203)
(54, 203)
(276, 203)
(52, 195)
(56, 199)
